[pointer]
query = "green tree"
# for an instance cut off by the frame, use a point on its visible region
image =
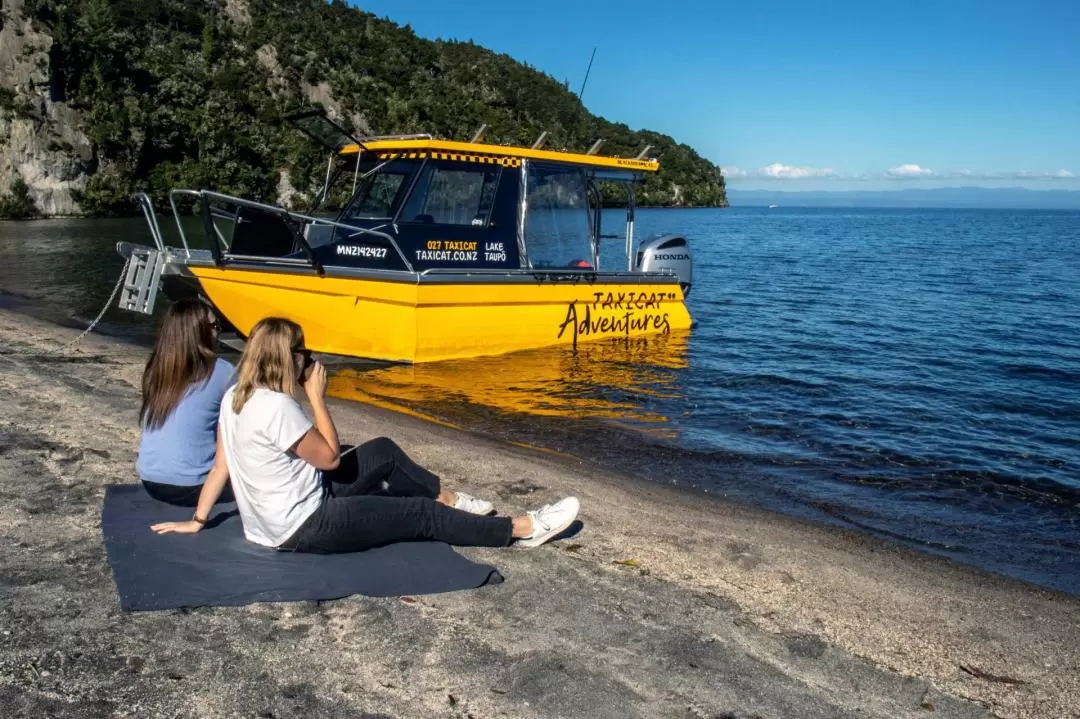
(17, 204)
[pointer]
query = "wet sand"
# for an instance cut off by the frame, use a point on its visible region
(668, 603)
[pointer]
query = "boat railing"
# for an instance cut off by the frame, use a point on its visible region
(147, 207)
(210, 211)
(545, 272)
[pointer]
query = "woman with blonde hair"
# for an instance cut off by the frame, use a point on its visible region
(295, 493)
(182, 387)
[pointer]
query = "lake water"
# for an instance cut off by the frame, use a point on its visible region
(912, 374)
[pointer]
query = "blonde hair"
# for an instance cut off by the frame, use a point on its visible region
(267, 362)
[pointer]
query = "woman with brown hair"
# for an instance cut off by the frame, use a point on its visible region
(182, 387)
(293, 490)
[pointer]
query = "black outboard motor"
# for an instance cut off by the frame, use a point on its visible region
(669, 253)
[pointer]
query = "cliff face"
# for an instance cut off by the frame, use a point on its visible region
(41, 142)
(103, 98)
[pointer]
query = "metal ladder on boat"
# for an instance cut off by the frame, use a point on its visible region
(144, 266)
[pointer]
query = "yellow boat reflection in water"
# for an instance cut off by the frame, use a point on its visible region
(599, 380)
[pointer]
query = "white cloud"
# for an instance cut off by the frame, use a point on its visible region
(780, 171)
(1009, 175)
(910, 170)
(904, 171)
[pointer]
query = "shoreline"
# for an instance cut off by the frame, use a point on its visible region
(37, 218)
(724, 607)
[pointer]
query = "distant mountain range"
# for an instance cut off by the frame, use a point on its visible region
(955, 197)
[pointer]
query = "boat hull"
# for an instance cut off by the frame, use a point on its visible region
(430, 320)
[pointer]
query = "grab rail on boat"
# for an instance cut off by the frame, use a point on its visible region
(147, 207)
(206, 195)
(176, 215)
(556, 272)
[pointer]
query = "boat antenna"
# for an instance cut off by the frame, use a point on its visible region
(587, 70)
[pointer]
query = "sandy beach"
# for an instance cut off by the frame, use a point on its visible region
(668, 603)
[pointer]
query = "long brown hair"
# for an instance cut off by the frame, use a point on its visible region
(267, 362)
(183, 355)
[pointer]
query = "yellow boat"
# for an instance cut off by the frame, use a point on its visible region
(445, 250)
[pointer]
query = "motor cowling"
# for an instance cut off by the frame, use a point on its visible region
(669, 253)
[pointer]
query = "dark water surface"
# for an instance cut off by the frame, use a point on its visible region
(913, 374)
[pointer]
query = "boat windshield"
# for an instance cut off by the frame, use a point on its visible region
(379, 193)
(557, 228)
(453, 195)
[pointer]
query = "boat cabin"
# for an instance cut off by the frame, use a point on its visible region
(420, 204)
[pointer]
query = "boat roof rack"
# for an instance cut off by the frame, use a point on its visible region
(412, 136)
(479, 133)
(315, 124)
(329, 134)
(418, 147)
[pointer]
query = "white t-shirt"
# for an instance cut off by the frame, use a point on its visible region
(275, 490)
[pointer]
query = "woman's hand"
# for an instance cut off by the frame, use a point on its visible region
(188, 527)
(315, 384)
(319, 447)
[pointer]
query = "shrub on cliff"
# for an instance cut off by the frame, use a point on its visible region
(107, 192)
(17, 204)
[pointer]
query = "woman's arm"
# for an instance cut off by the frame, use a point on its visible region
(212, 489)
(319, 447)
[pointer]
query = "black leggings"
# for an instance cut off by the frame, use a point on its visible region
(183, 495)
(378, 495)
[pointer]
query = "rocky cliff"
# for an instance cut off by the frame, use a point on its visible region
(41, 143)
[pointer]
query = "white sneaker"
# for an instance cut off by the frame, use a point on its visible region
(472, 505)
(550, 521)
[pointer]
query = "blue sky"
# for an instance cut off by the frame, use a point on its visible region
(826, 94)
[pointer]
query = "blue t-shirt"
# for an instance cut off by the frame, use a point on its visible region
(181, 451)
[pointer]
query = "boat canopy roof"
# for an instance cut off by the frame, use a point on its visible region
(420, 148)
(316, 125)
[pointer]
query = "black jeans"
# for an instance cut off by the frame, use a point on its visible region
(378, 495)
(182, 496)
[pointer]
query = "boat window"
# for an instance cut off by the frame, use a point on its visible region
(376, 195)
(453, 195)
(557, 225)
